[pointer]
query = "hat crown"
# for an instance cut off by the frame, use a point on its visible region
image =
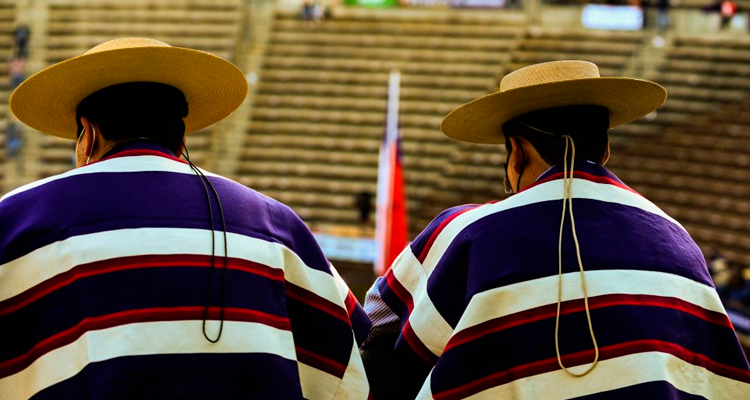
(47, 101)
(549, 72)
(126, 43)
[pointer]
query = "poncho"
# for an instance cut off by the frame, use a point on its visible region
(468, 310)
(104, 272)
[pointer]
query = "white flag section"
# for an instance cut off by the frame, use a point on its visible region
(390, 224)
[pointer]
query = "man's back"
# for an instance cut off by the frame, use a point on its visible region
(479, 290)
(104, 274)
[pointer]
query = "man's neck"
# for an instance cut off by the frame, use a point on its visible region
(532, 172)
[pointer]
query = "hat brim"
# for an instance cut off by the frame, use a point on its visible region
(47, 100)
(481, 120)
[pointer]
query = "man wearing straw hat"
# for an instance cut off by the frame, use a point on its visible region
(140, 276)
(574, 287)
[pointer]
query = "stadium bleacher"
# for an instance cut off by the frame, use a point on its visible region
(699, 174)
(610, 50)
(321, 99)
(695, 168)
(705, 72)
(7, 26)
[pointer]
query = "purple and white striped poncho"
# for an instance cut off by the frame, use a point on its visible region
(473, 300)
(103, 282)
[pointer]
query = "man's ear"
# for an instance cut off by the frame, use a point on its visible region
(92, 136)
(518, 155)
(87, 137)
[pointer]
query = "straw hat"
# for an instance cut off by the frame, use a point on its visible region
(547, 85)
(47, 100)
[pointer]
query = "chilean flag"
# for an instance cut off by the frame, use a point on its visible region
(390, 225)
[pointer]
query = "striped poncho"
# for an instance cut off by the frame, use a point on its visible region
(468, 309)
(104, 273)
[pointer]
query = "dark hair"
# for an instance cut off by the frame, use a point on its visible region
(587, 125)
(137, 109)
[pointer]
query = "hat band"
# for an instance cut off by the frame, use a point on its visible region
(539, 130)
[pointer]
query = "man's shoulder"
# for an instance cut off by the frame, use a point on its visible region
(448, 215)
(33, 185)
(239, 191)
(274, 221)
(102, 177)
(422, 243)
(466, 214)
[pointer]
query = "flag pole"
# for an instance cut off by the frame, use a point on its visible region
(390, 225)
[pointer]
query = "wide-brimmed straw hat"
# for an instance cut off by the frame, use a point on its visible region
(47, 100)
(547, 85)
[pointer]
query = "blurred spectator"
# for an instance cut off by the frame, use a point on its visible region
(21, 42)
(13, 139)
(17, 68)
(662, 15)
(312, 13)
(645, 5)
(727, 11)
(736, 289)
(363, 202)
(732, 281)
(307, 13)
(720, 272)
(743, 295)
(317, 11)
(328, 12)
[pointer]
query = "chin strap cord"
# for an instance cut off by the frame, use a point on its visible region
(209, 295)
(568, 203)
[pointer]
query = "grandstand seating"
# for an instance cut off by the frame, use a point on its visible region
(76, 26)
(704, 73)
(319, 111)
(701, 73)
(696, 168)
(7, 25)
(698, 173)
(609, 50)
(322, 94)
